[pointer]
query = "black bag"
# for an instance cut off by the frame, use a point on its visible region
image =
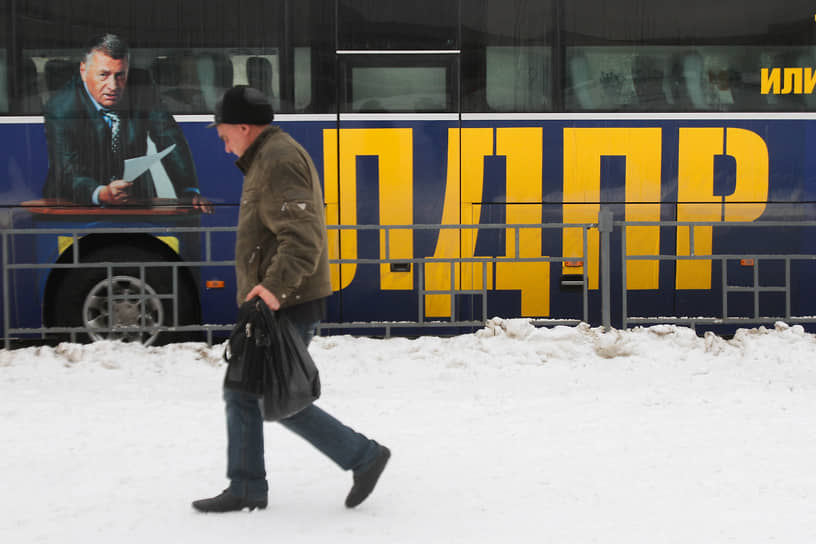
(247, 350)
(267, 358)
(292, 381)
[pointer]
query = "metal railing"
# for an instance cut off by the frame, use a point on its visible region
(755, 289)
(142, 298)
(480, 288)
(483, 262)
(10, 264)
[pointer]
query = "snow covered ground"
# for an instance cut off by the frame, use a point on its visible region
(513, 434)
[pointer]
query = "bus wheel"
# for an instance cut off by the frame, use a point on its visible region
(122, 306)
(116, 309)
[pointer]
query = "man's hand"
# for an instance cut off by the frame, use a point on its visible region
(266, 295)
(115, 192)
(201, 203)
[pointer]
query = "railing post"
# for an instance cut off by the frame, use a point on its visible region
(605, 222)
(6, 303)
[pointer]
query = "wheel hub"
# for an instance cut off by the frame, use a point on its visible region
(123, 302)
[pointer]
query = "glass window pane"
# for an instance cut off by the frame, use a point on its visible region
(312, 34)
(5, 15)
(190, 53)
(396, 24)
(692, 56)
(398, 89)
(518, 78)
(400, 83)
(4, 95)
(507, 56)
(303, 78)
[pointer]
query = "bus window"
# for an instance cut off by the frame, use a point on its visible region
(5, 72)
(398, 89)
(673, 59)
(517, 78)
(398, 25)
(174, 75)
(645, 78)
(261, 75)
(191, 53)
(507, 56)
(58, 72)
(4, 98)
(584, 80)
(46, 71)
(667, 78)
(778, 97)
(303, 78)
(313, 47)
(399, 83)
(260, 70)
(648, 75)
(29, 101)
(633, 78)
(214, 71)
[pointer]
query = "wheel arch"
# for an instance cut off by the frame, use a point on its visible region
(164, 248)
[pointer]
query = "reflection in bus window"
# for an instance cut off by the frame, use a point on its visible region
(58, 72)
(518, 78)
(4, 102)
(214, 75)
(398, 89)
(177, 80)
(187, 80)
(259, 75)
(30, 101)
(303, 78)
(648, 73)
(678, 78)
(687, 86)
(661, 55)
(782, 96)
(260, 70)
(46, 71)
(582, 92)
(507, 52)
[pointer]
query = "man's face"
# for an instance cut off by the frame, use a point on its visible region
(105, 78)
(236, 138)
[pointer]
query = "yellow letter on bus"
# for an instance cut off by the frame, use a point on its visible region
(583, 149)
(696, 198)
(394, 149)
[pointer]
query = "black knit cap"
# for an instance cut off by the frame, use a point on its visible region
(243, 105)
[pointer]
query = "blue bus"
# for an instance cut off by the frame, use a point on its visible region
(431, 112)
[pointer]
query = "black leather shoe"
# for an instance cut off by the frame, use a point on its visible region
(365, 480)
(227, 502)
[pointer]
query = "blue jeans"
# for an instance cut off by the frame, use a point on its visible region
(245, 442)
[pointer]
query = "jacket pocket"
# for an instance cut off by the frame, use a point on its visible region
(296, 209)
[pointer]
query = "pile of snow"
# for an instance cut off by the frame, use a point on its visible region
(511, 434)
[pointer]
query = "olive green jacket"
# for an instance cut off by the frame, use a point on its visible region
(281, 240)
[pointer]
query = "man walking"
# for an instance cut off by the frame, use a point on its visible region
(281, 255)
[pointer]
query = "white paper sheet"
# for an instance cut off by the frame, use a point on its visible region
(137, 166)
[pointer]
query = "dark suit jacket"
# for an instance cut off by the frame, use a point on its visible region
(79, 142)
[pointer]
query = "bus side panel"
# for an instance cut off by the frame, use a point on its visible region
(397, 175)
(24, 167)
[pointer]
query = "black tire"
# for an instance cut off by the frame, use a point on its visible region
(81, 298)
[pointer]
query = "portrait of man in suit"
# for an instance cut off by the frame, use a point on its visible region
(103, 116)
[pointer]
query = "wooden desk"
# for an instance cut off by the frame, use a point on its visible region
(63, 208)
